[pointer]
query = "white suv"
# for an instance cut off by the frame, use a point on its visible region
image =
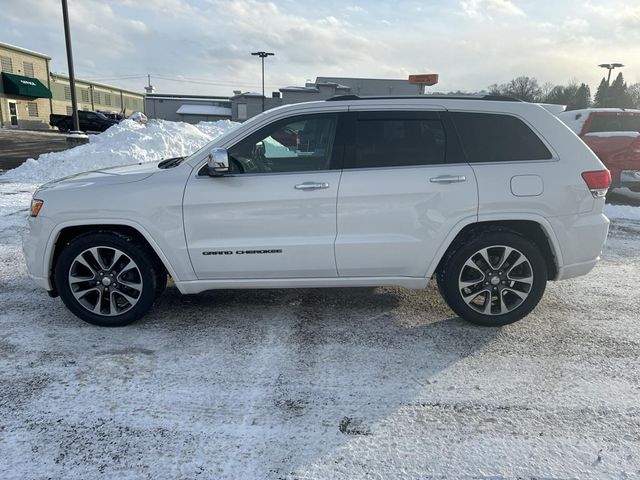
(491, 196)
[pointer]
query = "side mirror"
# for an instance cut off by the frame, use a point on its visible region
(218, 162)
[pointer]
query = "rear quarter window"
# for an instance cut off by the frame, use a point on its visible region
(490, 137)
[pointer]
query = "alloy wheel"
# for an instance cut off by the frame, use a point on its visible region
(495, 280)
(105, 281)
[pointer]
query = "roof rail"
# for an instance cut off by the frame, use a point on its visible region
(496, 98)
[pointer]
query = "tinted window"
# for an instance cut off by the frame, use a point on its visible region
(615, 123)
(294, 145)
(488, 137)
(393, 142)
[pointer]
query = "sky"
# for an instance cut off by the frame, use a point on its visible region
(204, 46)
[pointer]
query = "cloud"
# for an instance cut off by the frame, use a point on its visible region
(490, 8)
(355, 9)
(471, 43)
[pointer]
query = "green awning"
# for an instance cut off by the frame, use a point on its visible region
(24, 86)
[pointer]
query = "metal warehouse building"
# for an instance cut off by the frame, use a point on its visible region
(187, 108)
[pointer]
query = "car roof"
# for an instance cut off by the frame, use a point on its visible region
(494, 98)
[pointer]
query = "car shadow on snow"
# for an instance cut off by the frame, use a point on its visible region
(252, 383)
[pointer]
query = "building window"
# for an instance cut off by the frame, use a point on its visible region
(28, 69)
(84, 93)
(67, 92)
(69, 110)
(96, 97)
(32, 109)
(242, 111)
(107, 99)
(6, 64)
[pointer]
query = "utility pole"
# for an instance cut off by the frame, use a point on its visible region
(262, 56)
(149, 88)
(72, 78)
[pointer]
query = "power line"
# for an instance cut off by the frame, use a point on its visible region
(219, 83)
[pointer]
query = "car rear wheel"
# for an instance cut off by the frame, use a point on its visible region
(106, 279)
(495, 279)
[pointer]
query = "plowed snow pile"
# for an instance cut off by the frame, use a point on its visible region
(126, 143)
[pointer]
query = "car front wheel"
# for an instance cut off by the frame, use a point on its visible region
(106, 278)
(495, 279)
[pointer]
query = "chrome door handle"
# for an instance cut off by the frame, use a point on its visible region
(311, 186)
(448, 179)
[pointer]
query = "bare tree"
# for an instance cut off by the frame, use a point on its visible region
(524, 88)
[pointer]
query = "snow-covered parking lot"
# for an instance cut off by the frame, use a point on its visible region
(317, 384)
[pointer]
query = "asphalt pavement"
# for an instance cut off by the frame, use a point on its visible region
(16, 146)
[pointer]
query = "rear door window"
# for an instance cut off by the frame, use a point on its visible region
(490, 137)
(395, 139)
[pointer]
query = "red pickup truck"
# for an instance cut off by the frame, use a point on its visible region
(614, 136)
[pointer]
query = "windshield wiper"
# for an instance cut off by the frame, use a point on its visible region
(171, 162)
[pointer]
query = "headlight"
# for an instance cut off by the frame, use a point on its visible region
(36, 205)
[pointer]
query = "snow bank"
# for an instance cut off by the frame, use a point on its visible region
(126, 143)
(613, 134)
(626, 212)
(574, 119)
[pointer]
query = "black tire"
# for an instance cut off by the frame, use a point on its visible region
(503, 295)
(146, 270)
(161, 280)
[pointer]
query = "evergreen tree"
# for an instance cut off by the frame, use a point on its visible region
(582, 98)
(634, 95)
(601, 94)
(617, 95)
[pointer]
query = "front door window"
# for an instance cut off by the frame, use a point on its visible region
(299, 144)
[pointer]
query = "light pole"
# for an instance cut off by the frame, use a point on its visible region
(72, 77)
(610, 67)
(262, 56)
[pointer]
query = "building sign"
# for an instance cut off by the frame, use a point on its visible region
(424, 79)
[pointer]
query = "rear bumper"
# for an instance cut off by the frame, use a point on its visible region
(628, 178)
(581, 239)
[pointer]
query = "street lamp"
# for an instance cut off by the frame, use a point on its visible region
(610, 67)
(262, 56)
(72, 77)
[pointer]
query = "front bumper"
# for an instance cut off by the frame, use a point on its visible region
(34, 246)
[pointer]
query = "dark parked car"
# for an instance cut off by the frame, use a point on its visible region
(89, 121)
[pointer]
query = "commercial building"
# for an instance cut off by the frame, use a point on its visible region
(93, 96)
(249, 104)
(187, 108)
(25, 96)
(29, 93)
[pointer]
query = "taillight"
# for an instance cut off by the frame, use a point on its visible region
(598, 182)
(634, 151)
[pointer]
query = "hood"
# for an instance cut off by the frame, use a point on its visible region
(105, 176)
